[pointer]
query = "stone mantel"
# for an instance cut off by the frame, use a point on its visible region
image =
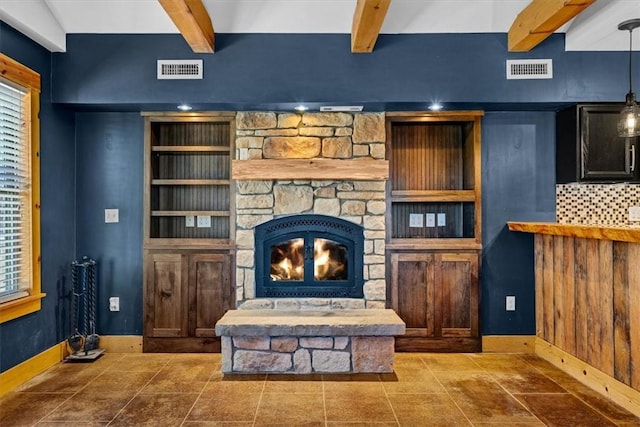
(313, 169)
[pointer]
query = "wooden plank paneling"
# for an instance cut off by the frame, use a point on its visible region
(558, 292)
(539, 280)
(622, 339)
(568, 295)
(548, 309)
(633, 257)
(581, 307)
(593, 303)
(606, 307)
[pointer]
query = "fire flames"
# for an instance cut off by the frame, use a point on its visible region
(329, 260)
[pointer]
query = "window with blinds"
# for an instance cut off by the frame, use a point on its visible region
(15, 194)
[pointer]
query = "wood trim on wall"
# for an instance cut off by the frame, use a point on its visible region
(592, 377)
(32, 367)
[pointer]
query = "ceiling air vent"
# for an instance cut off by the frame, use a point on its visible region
(179, 69)
(529, 69)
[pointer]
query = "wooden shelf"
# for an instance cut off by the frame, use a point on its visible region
(433, 196)
(190, 149)
(190, 213)
(316, 169)
(190, 182)
(440, 243)
(600, 232)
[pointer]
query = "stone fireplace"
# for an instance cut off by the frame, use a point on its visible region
(343, 154)
(308, 184)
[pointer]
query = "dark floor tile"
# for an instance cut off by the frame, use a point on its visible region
(179, 380)
(228, 404)
(427, 410)
(141, 362)
(527, 382)
(119, 381)
(95, 406)
(563, 410)
(293, 384)
(25, 409)
(290, 409)
(156, 410)
(450, 362)
(363, 406)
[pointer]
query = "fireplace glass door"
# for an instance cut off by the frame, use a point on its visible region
(307, 261)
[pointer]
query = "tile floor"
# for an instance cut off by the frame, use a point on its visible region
(424, 390)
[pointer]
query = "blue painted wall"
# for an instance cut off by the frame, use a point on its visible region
(92, 158)
(27, 336)
(255, 71)
(518, 184)
(110, 175)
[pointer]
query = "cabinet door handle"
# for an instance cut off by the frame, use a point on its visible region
(632, 168)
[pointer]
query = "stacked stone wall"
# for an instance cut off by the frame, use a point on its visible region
(270, 135)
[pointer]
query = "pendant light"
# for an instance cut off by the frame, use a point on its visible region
(629, 121)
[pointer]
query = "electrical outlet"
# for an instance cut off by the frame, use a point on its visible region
(190, 221)
(511, 303)
(203, 221)
(442, 220)
(114, 304)
(111, 216)
(634, 213)
(416, 220)
(431, 220)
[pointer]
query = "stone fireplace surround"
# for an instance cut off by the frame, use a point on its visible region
(283, 334)
(326, 136)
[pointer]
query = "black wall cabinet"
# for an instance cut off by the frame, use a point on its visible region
(588, 147)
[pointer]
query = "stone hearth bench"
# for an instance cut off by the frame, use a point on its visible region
(305, 341)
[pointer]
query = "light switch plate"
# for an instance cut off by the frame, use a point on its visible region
(511, 303)
(416, 220)
(431, 219)
(111, 215)
(634, 213)
(203, 221)
(442, 220)
(190, 221)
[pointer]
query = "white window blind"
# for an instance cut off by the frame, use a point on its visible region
(15, 193)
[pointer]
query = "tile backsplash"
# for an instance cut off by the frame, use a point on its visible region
(603, 204)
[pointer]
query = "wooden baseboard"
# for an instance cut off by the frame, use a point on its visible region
(28, 369)
(121, 343)
(508, 344)
(593, 378)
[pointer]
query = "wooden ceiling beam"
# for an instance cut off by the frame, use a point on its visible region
(540, 19)
(367, 21)
(193, 22)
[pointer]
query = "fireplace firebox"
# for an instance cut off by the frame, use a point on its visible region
(309, 256)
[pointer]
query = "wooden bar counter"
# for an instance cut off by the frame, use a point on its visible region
(588, 304)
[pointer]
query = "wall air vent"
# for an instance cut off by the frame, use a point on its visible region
(179, 69)
(345, 108)
(529, 69)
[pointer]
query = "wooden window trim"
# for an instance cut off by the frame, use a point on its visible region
(30, 80)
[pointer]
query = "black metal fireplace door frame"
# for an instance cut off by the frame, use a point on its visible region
(309, 226)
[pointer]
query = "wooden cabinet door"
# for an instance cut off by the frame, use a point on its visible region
(210, 292)
(456, 276)
(413, 294)
(166, 295)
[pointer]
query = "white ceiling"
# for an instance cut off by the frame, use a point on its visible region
(48, 21)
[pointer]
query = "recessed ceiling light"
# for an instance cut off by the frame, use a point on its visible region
(436, 106)
(185, 107)
(301, 108)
